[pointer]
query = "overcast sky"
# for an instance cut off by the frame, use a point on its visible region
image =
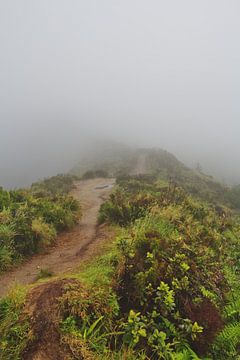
(151, 73)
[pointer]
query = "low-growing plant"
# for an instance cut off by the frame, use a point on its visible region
(30, 222)
(44, 273)
(14, 328)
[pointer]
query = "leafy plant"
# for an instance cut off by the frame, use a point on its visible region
(29, 222)
(14, 328)
(44, 273)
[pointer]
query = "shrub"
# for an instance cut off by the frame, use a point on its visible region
(124, 210)
(91, 174)
(14, 328)
(44, 233)
(44, 273)
(56, 185)
(6, 257)
(29, 222)
(170, 280)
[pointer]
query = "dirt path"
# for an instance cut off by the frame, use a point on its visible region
(141, 166)
(70, 246)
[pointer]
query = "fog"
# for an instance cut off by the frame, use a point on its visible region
(146, 73)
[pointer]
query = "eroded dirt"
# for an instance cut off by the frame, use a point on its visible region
(141, 165)
(43, 311)
(71, 246)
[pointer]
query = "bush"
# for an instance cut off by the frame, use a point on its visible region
(123, 210)
(170, 280)
(6, 257)
(14, 328)
(55, 185)
(29, 223)
(44, 233)
(91, 174)
(44, 273)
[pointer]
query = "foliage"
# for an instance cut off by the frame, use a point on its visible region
(14, 328)
(87, 317)
(44, 273)
(226, 344)
(233, 196)
(56, 185)
(91, 174)
(123, 210)
(109, 158)
(168, 289)
(29, 222)
(171, 281)
(167, 167)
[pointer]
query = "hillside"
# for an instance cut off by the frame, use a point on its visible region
(167, 167)
(68, 247)
(161, 283)
(111, 159)
(118, 160)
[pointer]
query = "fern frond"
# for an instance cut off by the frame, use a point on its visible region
(228, 340)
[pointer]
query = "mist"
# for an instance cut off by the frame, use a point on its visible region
(145, 73)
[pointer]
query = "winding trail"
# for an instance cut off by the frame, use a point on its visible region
(141, 165)
(70, 246)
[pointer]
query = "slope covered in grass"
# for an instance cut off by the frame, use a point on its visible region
(167, 287)
(120, 161)
(167, 167)
(110, 159)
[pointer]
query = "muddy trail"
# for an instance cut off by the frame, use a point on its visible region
(71, 246)
(141, 165)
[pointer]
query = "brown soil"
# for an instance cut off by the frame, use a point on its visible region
(141, 166)
(71, 246)
(42, 308)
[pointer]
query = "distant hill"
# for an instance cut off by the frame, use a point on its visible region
(117, 160)
(167, 167)
(110, 157)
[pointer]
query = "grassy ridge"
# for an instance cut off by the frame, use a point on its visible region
(167, 168)
(119, 161)
(167, 287)
(177, 278)
(109, 159)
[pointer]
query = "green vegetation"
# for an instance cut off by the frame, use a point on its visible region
(55, 185)
(166, 167)
(31, 219)
(91, 174)
(44, 273)
(108, 160)
(14, 329)
(234, 196)
(166, 288)
(118, 161)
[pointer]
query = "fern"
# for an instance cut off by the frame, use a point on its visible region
(227, 342)
(232, 310)
(185, 354)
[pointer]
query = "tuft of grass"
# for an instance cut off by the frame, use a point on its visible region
(100, 270)
(44, 273)
(14, 327)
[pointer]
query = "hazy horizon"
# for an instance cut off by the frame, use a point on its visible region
(148, 74)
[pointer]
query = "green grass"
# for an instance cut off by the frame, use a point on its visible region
(14, 326)
(30, 221)
(165, 288)
(100, 269)
(44, 273)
